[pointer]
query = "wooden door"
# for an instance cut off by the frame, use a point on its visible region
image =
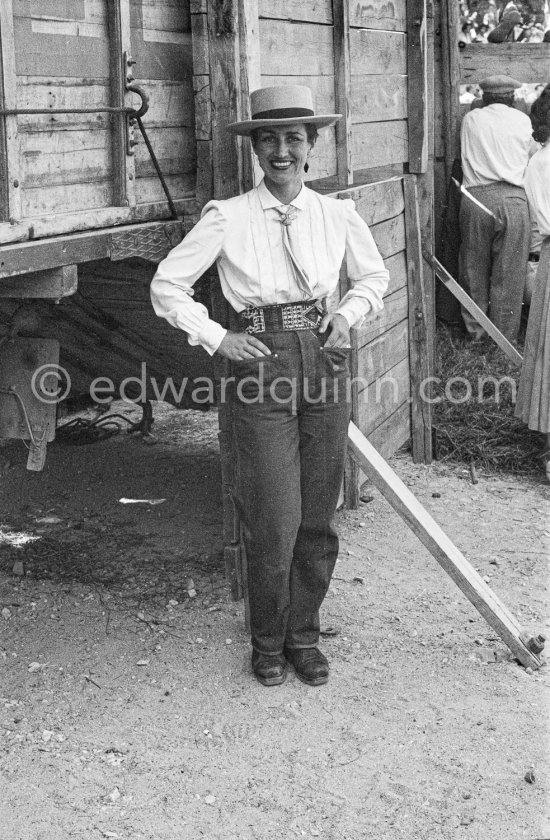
(64, 172)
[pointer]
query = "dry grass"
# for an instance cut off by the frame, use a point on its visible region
(475, 423)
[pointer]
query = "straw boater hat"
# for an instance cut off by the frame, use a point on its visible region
(280, 106)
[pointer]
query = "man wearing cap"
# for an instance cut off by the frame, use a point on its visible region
(494, 222)
(278, 250)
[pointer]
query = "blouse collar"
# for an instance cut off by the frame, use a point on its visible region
(268, 200)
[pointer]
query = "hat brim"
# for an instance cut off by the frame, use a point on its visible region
(246, 127)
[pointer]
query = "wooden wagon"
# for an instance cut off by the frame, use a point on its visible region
(89, 202)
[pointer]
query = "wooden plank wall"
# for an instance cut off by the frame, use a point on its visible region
(63, 60)
(381, 398)
(162, 48)
(378, 52)
(296, 47)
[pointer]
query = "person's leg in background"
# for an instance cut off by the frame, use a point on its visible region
(509, 266)
(477, 230)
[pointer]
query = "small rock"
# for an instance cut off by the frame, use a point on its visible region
(228, 641)
(6, 614)
(466, 820)
(172, 603)
(142, 662)
(365, 498)
(486, 578)
(114, 796)
(528, 670)
(494, 562)
(436, 495)
(18, 568)
(530, 777)
(466, 795)
(34, 667)
(210, 800)
(358, 580)
(192, 593)
(47, 735)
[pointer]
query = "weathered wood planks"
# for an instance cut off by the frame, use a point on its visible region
(380, 144)
(312, 11)
(377, 99)
(420, 330)
(525, 62)
(282, 41)
(377, 53)
(378, 14)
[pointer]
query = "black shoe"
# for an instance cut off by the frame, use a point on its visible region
(269, 670)
(310, 665)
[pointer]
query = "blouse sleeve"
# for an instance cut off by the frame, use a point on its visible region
(365, 268)
(172, 285)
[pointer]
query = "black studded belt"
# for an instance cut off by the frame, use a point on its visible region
(301, 315)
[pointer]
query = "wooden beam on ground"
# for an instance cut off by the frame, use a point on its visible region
(54, 284)
(474, 309)
(419, 330)
(441, 547)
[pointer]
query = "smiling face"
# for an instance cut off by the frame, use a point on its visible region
(282, 152)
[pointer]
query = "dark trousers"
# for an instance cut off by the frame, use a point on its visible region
(493, 255)
(290, 415)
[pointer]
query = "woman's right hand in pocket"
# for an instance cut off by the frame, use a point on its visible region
(241, 346)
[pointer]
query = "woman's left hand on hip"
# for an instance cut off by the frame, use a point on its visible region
(339, 331)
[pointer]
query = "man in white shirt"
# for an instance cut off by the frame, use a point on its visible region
(278, 251)
(495, 145)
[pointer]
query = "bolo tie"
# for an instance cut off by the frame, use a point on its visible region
(286, 219)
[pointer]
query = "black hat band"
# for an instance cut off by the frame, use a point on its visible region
(283, 114)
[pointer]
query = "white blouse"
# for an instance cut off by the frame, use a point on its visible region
(537, 187)
(244, 235)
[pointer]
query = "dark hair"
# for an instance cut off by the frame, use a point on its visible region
(311, 131)
(540, 116)
(498, 98)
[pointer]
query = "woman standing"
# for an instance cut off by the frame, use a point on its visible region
(533, 402)
(279, 249)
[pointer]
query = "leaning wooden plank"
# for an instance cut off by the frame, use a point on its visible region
(473, 309)
(440, 546)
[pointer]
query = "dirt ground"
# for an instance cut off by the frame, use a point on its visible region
(128, 709)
